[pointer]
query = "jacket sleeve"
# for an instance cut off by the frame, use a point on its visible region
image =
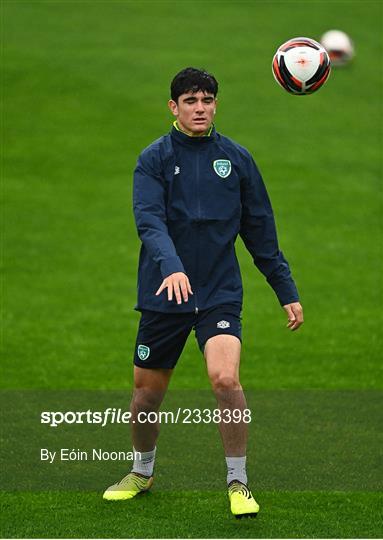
(150, 215)
(259, 234)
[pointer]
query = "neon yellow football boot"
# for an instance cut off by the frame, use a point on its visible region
(131, 485)
(242, 502)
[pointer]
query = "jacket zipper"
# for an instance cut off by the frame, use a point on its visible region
(198, 235)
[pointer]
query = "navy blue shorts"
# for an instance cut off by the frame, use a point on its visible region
(162, 336)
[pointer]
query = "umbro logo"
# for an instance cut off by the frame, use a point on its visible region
(176, 170)
(223, 324)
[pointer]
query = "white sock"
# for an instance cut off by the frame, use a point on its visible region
(145, 464)
(236, 469)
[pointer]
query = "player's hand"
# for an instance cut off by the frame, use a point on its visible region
(295, 315)
(177, 284)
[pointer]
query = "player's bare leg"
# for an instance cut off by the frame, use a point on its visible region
(222, 354)
(150, 386)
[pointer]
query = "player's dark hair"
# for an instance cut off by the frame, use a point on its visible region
(193, 80)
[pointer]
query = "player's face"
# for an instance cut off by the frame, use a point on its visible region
(194, 111)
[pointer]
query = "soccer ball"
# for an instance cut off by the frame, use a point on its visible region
(301, 66)
(339, 47)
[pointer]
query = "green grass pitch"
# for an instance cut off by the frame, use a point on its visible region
(85, 89)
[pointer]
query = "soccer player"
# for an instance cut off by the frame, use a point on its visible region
(194, 192)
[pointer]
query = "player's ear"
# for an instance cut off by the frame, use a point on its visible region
(173, 107)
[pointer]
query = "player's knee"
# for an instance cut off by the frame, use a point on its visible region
(225, 383)
(146, 400)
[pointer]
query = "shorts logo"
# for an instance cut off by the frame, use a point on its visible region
(222, 167)
(143, 352)
(223, 324)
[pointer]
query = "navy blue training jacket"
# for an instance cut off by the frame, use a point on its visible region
(192, 196)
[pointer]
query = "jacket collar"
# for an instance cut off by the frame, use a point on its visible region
(195, 142)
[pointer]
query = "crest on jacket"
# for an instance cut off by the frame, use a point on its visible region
(222, 167)
(143, 352)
